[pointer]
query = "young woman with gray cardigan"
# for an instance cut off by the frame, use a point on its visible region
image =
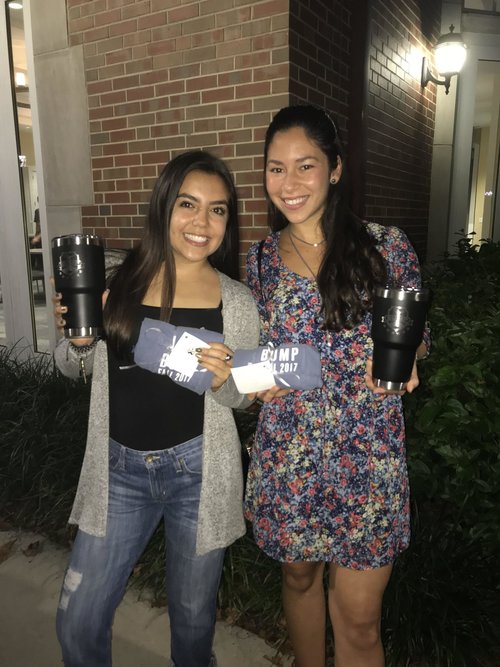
(156, 450)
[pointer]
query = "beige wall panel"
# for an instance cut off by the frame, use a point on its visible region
(64, 134)
(48, 25)
(440, 193)
(63, 220)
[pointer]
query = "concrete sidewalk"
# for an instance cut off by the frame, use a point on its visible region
(30, 581)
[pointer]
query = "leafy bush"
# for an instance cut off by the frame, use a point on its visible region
(442, 605)
(43, 424)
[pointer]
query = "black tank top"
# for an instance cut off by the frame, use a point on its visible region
(149, 411)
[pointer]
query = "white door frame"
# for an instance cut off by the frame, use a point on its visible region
(480, 47)
(473, 188)
(17, 292)
(14, 253)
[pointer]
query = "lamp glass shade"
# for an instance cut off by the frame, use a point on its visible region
(449, 58)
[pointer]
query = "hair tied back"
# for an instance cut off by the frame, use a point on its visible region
(326, 113)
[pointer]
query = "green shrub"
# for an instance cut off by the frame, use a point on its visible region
(43, 424)
(442, 605)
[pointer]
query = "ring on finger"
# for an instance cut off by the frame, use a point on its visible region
(228, 357)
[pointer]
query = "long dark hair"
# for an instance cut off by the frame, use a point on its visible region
(351, 267)
(133, 278)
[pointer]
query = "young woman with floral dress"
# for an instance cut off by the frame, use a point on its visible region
(328, 480)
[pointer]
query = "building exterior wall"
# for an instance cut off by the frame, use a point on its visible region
(164, 77)
(400, 115)
(320, 50)
(364, 65)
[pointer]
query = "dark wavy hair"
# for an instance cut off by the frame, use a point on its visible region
(132, 279)
(351, 267)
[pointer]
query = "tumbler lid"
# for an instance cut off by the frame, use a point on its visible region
(402, 293)
(75, 239)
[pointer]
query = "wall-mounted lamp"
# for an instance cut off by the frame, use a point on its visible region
(449, 56)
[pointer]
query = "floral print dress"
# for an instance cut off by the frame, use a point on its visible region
(328, 478)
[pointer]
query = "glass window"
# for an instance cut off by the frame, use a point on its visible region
(487, 6)
(484, 173)
(31, 227)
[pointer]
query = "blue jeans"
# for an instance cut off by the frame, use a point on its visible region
(143, 488)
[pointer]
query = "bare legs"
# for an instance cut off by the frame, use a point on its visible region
(304, 605)
(354, 603)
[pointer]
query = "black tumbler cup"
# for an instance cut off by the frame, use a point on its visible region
(79, 275)
(397, 327)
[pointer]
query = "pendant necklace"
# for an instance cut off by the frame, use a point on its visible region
(300, 256)
(314, 245)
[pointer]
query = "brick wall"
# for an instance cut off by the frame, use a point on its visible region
(320, 55)
(389, 118)
(164, 77)
(400, 115)
(323, 62)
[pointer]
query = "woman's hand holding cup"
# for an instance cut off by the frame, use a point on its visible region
(60, 310)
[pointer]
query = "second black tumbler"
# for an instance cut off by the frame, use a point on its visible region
(397, 327)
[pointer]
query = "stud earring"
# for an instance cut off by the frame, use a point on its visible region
(333, 180)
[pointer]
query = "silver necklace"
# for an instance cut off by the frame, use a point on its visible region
(300, 256)
(314, 245)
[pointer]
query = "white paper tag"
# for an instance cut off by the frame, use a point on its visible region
(254, 377)
(183, 358)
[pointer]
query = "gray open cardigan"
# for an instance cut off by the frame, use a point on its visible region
(220, 519)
